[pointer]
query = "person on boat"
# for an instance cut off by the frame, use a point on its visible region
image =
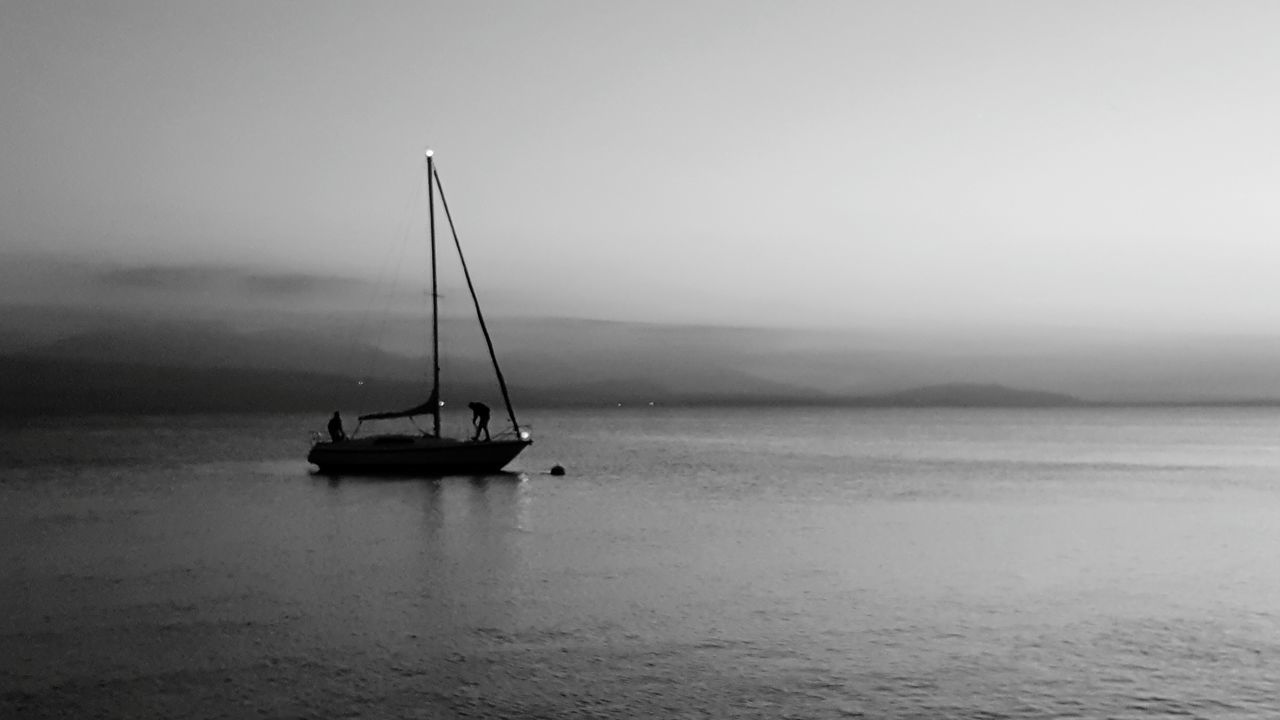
(336, 433)
(480, 419)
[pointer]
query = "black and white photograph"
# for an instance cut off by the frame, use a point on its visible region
(607, 359)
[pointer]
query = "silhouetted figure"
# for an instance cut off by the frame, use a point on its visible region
(480, 419)
(336, 433)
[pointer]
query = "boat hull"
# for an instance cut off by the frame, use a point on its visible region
(412, 455)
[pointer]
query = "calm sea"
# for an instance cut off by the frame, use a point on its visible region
(692, 563)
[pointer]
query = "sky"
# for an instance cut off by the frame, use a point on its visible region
(1084, 164)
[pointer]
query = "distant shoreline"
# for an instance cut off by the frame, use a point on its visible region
(39, 387)
(323, 411)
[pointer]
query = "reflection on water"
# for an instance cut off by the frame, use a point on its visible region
(811, 564)
(469, 504)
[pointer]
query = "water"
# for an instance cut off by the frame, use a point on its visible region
(693, 563)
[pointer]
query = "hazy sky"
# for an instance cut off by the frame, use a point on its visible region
(1113, 164)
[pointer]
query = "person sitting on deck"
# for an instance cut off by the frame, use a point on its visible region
(336, 433)
(480, 419)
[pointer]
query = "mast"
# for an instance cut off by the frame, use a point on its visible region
(434, 398)
(493, 356)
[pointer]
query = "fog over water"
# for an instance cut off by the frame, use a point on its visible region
(209, 316)
(763, 199)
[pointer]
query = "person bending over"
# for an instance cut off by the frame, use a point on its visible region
(480, 419)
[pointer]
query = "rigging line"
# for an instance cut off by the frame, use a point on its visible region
(385, 313)
(406, 232)
(502, 383)
(357, 331)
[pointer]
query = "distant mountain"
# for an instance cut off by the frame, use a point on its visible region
(47, 386)
(970, 395)
(546, 365)
(558, 361)
(209, 345)
(35, 386)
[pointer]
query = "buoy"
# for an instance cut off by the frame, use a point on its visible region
(557, 469)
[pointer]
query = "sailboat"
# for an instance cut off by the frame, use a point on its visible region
(428, 453)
